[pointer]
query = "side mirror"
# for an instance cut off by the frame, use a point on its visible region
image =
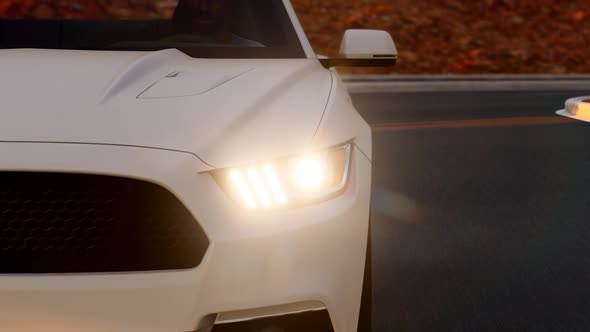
(364, 48)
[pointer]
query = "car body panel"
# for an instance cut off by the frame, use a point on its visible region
(256, 259)
(342, 122)
(169, 119)
(92, 97)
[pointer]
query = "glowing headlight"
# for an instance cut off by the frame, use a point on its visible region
(290, 181)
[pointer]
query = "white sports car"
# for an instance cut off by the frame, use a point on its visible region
(200, 170)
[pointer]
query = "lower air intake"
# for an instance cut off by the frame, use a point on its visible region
(76, 223)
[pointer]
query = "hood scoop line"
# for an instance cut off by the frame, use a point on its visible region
(143, 66)
(192, 82)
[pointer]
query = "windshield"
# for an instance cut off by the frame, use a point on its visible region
(200, 28)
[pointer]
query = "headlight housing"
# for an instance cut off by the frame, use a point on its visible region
(288, 182)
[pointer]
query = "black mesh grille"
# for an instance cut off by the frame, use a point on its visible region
(67, 223)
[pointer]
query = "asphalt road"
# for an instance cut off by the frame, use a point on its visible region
(481, 212)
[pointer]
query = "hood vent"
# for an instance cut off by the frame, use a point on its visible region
(191, 82)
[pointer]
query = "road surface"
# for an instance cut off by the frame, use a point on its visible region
(481, 212)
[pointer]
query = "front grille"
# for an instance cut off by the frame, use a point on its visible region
(74, 223)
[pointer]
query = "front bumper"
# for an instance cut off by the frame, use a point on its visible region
(255, 260)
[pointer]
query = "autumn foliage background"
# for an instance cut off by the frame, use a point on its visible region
(433, 36)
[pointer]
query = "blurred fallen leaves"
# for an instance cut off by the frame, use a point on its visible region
(461, 36)
(433, 36)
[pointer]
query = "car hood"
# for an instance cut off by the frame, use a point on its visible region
(222, 110)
